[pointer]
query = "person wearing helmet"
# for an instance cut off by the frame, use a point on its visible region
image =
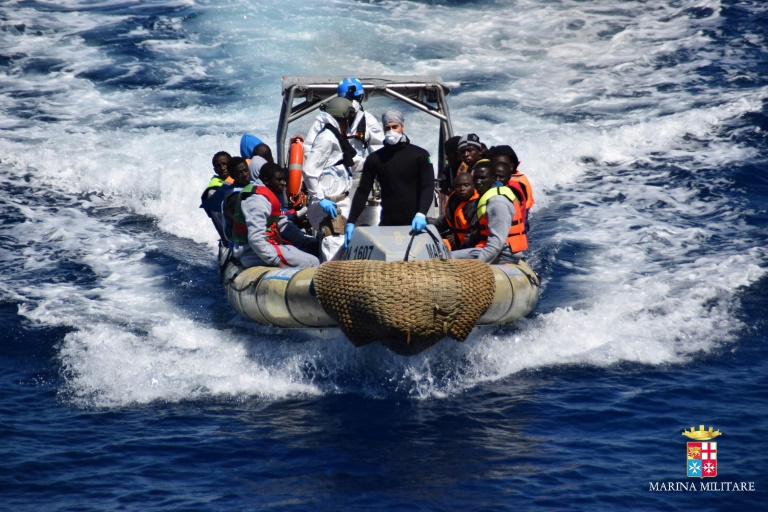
(364, 131)
(327, 167)
(351, 88)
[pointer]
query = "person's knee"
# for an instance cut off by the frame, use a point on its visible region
(465, 254)
(312, 261)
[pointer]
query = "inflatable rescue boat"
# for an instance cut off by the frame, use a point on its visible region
(388, 286)
(401, 290)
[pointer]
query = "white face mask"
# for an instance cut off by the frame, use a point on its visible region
(392, 137)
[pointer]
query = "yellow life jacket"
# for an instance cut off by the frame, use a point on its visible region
(516, 236)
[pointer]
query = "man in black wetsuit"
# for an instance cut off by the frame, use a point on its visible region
(405, 175)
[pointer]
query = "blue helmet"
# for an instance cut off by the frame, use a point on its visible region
(351, 88)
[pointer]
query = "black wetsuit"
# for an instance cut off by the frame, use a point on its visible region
(407, 181)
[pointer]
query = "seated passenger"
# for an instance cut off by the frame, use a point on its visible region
(264, 151)
(500, 219)
(248, 143)
(260, 155)
(238, 170)
(507, 155)
(221, 176)
(262, 233)
(460, 217)
(502, 173)
(470, 151)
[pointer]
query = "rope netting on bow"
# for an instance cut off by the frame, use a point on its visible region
(409, 305)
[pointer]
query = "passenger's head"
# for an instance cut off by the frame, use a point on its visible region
(482, 175)
(451, 148)
(393, 120)
(238, 170)
(470, 149)
(351, 88)
(502, 171)
(274, 177)
(504, 154)
(263, 151)
(464, 186)
(219, 162)
(247, 143)
(342, 110)
(255, 166)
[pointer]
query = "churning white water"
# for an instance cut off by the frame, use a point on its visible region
(110, 120)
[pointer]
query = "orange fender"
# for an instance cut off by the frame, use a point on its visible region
(295, 166)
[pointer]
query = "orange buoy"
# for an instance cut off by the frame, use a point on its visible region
(295, 166)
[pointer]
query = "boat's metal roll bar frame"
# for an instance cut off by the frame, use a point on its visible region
(425, 93)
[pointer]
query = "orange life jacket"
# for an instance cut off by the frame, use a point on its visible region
(516, 238)
(522, 179)
(522, 198)
(457, 221)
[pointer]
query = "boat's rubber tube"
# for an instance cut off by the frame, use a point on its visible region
(517, 292)
(286, 297)
(281, 297)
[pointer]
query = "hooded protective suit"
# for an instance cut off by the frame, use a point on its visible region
(374, 136)
(326, 177)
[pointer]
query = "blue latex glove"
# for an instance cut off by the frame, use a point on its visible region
(418, 223)
(348, 230)
(329, 207)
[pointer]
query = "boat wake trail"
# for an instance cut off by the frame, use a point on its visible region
(638, 125)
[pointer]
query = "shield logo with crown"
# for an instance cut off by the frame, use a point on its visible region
(701, 455)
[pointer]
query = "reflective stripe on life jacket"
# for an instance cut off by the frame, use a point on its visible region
(516, 238)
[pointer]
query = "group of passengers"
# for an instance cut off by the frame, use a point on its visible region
(346, 153)
(486, 214)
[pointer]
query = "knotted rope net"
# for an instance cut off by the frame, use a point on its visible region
(409, 305)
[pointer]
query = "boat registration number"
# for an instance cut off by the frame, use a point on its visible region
(360, 252)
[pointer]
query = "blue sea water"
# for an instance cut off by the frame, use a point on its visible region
(128, 383)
